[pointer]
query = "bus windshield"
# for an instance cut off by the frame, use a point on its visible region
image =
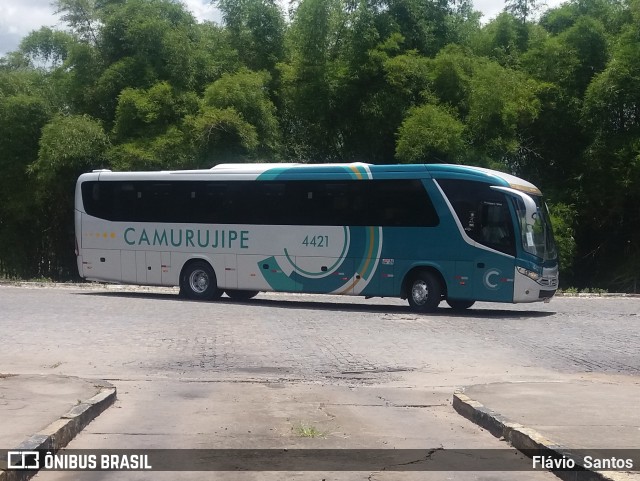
(537, 239)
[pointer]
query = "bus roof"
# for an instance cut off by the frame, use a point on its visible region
(356, 170)
(480, 173)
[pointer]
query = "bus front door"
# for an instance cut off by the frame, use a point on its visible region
(493, 277)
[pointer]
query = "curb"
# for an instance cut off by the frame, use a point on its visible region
(523, 438)
(59, 433)
(77, 285)
(595, 294)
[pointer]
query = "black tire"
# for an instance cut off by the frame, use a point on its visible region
(460, 305)
(240, 295)
(424, 292)
(198, 282)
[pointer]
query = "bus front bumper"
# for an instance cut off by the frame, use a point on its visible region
(526, 289)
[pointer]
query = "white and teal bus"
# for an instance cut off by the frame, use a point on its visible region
(425, 233)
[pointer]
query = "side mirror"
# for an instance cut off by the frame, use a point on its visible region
(531, 210)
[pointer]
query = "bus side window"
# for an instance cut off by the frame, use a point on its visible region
(467, 216)
(126, 204)
(483, 213)
(494, 228)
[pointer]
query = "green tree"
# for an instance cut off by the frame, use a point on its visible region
(221, 135)
(523, 10)
(496, 105)
(145, 113)
(613, 14)
(503, 39)
(610, 180)
(429, 134)
(567, 62)
(148, 131)
(246, 93)
(309, 81)
(503, 103)
(82, 17)
(22, 116)
(139, 43)
(46, 47)
(563, 219)
(424, 24)
(139, 84)
(214, 55)
(236, 121)
(588, 39)
(69, 146)
(257, 30)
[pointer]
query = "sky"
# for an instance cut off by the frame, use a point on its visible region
(19, 17)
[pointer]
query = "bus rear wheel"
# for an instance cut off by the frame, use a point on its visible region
(241, 295)
(198, 282)
(425, 292)
(459, 305)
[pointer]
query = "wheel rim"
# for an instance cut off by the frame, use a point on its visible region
(199, 281)
(419, 292)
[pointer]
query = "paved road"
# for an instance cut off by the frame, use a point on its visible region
(363, 373)
(124, 333)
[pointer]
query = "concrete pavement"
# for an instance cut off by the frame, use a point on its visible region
(46, 411)
(598, 418)
(362, 373)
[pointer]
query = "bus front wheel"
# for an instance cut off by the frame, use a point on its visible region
(198, 282)
(425, 292)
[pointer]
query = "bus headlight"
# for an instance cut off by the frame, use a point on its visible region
(530, 274)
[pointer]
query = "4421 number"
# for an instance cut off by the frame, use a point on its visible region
(316, 241)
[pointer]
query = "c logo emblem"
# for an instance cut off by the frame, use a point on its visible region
(489, 281)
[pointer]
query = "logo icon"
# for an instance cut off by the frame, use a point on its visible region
(489, 279)
(23, 460)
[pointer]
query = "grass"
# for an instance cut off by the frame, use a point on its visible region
(573, 291)
(308, 431)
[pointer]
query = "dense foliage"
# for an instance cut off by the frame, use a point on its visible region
(553, 97)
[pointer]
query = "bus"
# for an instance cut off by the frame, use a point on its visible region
(421, 232)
